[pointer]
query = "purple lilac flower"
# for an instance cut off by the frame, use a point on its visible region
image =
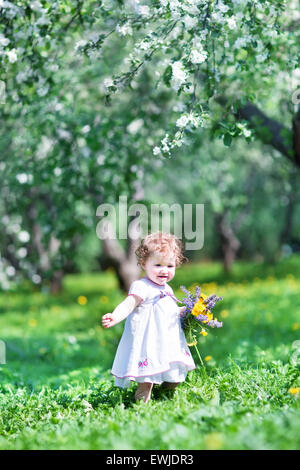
(215, 324)
(189, 302)
(211, 301)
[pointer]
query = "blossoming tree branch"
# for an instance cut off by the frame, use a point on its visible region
(219, 57)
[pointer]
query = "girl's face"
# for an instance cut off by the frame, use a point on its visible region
(159, 268)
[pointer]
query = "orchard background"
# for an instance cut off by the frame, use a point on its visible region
(168, 102)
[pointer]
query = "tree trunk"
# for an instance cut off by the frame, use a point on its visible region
(286, 235)
(56, 281)
(123, 261)
(229, 242)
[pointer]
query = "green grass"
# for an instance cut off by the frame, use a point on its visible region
(56, 390)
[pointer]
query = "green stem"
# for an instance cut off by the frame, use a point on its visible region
(199, 355)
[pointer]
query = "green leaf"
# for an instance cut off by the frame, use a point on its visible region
(227, 139)
(167, 75)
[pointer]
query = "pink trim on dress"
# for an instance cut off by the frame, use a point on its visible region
(156, 373)
(136, 295)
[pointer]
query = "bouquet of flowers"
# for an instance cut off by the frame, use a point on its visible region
(198, 315)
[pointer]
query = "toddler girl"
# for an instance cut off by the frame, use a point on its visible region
(153, 348)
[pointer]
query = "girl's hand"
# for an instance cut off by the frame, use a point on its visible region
(108, 320)
(182, 311)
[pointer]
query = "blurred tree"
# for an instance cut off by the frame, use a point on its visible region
(63, 152)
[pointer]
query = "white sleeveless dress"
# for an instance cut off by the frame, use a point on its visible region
(153, 347)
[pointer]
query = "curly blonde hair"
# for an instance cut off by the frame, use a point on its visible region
(163, 243)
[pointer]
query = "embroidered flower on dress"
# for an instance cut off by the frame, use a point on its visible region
(143, 363)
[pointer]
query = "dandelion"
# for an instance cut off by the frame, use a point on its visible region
(294, 390)
(224, 313)
(207, 358)
(295, 326)
(32, 322)
(82, 300)
(103, 299)
(214, 440)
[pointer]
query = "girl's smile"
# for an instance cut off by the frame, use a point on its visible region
(160, 269)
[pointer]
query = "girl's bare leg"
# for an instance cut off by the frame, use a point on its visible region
(143, 391)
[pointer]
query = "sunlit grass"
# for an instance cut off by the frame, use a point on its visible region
(56, 390)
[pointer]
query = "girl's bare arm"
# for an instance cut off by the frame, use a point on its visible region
(121, 311)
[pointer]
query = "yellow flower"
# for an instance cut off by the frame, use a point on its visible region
(192, 344)
(294, 390)
(224, 313)
(82, 300)
(32, 322)
(295, 326)
(214, 440)
(203, 333)
(198, 308)
(208, 358)
(103, 299)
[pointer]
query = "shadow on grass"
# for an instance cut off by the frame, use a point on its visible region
(39, 360)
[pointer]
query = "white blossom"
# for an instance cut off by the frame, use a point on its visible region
(182, 121)
(10, 271)
(135, 126)
(179, 75)
(3, 41)
(261, 57)
(22, 252)
(124, 29)
(36, 278)
(222, 7)
(231, 23)
(108, 82)
(43, 20)
(22, 178)
(240, 2)
(86, 129)
(64, 134)
(218, 17)
(144, 10)
(24, 236)
(197, 57)
(12, 56)
(156, 150)
(189, 21)
(241, 42)
(80, 43)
